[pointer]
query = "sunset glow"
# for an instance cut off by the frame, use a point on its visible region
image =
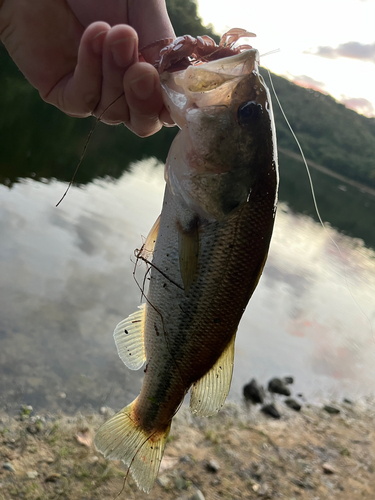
(325, 45)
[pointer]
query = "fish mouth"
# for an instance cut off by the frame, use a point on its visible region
(207, 84)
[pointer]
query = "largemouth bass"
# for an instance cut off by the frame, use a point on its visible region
(208, 249)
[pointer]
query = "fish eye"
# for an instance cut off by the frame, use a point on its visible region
(249, 112)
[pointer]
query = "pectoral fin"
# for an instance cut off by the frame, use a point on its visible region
(188, 247)
(129, 339)
(209, 393)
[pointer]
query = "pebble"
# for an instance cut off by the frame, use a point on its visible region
(32, 474)
(292, 403)
(52, 478)
(253, 392)
(181, 483)
(164, 481)
(328, 468)
(212, 466)
(289, 380)
(305, 484)
(8, 466)
(271, 410)
(278, 386)
(332, 410)
(198, 495)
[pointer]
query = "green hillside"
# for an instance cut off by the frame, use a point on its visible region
(330, 134)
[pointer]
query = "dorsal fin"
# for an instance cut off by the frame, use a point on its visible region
(209, 393)
(129, 339)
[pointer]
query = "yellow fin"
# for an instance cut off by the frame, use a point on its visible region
(188, 246)
(209, 393)
(149, 245)
(120, 438)
(129, 339)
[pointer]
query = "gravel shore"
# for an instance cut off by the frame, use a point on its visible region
(240, 453)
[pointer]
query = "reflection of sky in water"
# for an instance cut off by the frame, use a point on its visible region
(66, 280)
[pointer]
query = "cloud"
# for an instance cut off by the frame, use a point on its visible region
(359, 104)
(308, 82)
(351, 50)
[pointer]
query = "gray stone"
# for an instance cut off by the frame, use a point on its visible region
(164, 481)
(271, 410)
(8, 466)
(198, 495)
(212, 466)
(278, 386)
(332, 410)
(32, 474)
(253, 392)
(293, 404)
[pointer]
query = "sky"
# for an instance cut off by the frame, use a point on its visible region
(327, 45)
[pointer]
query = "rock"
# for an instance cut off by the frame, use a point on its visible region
(181, 483)
(8, 466)
(347, 401)
(328, 468)
(277, 386)
(62, 395)
(271, 410)
(305, 484)
(198, 495)
(212, 466)
(289, 380)
(187, 459)
(263, 490)
(34, 428)
(32, 474)
(52, 478)
(293, 404)
(164, 481)
(332, 410)
(253, 392)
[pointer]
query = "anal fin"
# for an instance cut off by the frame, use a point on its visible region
(129, 339)
(209, 393)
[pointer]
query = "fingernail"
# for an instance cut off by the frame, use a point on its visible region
(97, 42)
(123, 51)
(144, 86)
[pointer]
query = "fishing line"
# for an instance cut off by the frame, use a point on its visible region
(316, 205)
(85, 147)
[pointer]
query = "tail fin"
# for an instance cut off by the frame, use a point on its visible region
(121, 438)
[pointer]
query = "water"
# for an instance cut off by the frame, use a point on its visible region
(67, 279)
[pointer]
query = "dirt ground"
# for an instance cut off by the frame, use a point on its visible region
(240, 453)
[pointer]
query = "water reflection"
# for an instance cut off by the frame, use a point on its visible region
(67, 280)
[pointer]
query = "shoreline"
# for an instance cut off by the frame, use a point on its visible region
(359, 185)
(239, 453)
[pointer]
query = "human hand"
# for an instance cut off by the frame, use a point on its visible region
(82, 70)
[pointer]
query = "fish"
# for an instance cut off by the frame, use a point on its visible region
(205, 252)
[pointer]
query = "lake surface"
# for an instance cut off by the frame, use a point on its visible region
(67, 280)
